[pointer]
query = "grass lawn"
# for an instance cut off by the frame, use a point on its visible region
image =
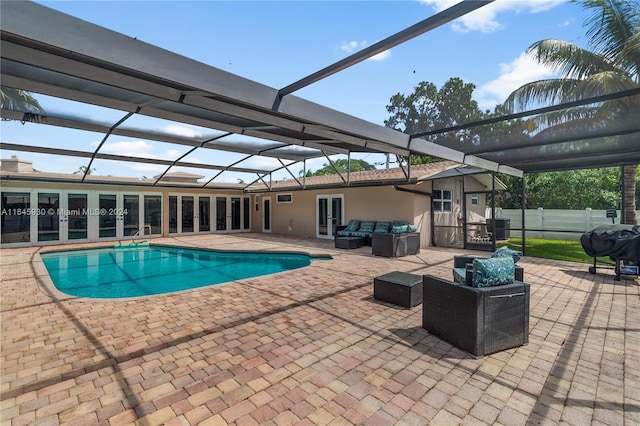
(555, 249)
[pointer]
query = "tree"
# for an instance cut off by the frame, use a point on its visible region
(428, 108)
(613, 29)
(84, 170)
(341, 165)
(19, 100)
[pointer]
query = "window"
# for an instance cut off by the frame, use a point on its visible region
(284, 198)
(474, 199)
(442, 200)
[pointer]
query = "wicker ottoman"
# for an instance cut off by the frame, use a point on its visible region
(398, 288)
(348, 242)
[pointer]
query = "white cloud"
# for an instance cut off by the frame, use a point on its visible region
(381, 56)
(139, 149)
(521, 70)
(131, 148)
(485, 19)
(178, 130)
(354, 46)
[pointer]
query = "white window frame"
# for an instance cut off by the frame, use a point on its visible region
(286, 194)
(475, 199)
(439, 201)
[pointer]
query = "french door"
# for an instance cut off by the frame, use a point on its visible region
(329, 214)
(189, 213)
(232, 213)
(60, 216)
(33, 216)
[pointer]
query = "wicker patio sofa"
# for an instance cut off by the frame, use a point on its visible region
(366, 228)
(481, 320)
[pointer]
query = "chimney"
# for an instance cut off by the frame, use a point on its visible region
(16, 165)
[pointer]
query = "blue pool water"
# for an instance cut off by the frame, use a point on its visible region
(148, 270)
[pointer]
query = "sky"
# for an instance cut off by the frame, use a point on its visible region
(277, 43)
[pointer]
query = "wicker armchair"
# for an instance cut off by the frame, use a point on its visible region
(462, 274)
(480, 321)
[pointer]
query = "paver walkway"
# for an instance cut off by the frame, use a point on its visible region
(312, 346)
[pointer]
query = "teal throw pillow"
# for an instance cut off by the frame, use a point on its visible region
(505, 251)
(398, 229)
(353, 225)
(382, 227)
(366, 227)
(412, 228)
(493, 272)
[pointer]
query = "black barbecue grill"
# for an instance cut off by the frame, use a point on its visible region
(620, 242)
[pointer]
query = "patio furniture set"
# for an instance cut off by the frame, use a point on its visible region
(481, 311)
(388, 239)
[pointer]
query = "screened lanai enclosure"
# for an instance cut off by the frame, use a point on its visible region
(137, 89)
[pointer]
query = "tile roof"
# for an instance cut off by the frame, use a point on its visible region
(361, 178)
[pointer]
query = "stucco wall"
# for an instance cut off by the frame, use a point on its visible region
(371, 203)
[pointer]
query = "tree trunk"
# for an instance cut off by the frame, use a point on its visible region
(630, 195)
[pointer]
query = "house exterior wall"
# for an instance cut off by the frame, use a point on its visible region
(379, 203)
(299, 217)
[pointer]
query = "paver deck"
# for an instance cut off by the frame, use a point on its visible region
(312, 346)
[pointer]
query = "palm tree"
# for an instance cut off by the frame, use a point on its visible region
(19, 100)
(84, 170)
(613, 30)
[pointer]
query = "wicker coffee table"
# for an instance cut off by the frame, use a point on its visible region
(398, 288)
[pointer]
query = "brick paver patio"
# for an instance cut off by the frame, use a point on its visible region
(312, 346)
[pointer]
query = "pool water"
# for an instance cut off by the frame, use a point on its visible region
(149, 270)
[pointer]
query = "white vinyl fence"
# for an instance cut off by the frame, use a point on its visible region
(567, 224)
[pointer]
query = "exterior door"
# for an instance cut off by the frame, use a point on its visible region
(329, 214)
(109, 221)
(204, 214)
(75, 222)
(119, 215)
(221, 214)
(34, 216)
(232, 213)
(266, 214)
(189, 213)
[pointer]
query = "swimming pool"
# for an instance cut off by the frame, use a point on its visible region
(151, 269)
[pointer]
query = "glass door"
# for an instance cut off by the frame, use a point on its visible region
(232, 213)
(153, 214)
(188, 215)
(15, 221)
(204, 214)
(108, 221)
(329, 214)
(266, 214)
(131, 214)
(221, 214)
(236, 214)
(75, 222)
(48, 216)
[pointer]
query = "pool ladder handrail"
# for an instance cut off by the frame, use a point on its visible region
(133, 239)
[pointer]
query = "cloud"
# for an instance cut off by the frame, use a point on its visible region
(381, 56)
(138, 149)
(178, 130)
(130, 148)
(523, 69)
(485, 19)
(354, 46)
